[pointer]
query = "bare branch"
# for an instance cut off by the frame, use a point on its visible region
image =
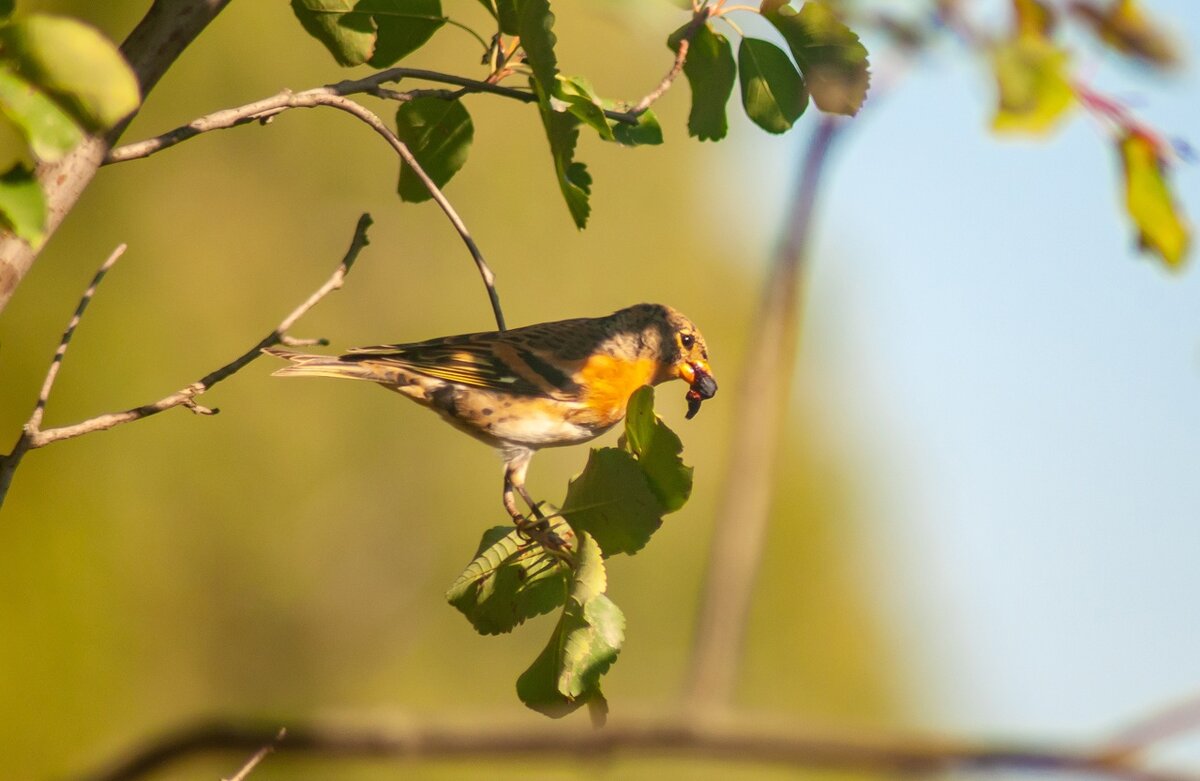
(742, 515)
(642, 106)
(757, 743)
(29, 432)
(34, 437)
(258, 756)
(39, 410)
(326, 96)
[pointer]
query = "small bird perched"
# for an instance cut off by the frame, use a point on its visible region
(543, 385)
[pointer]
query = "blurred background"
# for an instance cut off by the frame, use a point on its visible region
(986, 516)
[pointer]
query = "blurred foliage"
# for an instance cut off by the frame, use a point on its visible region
(287, 557)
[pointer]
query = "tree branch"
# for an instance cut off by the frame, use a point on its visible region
(153, 46)
(267, 108)
(759, 744)
(34, 437)
(744, 509)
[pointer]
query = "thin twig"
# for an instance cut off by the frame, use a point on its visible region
(258, 756)
(29, 432)
(34, 437)
(758, 744)
(643, 105)
(743, 512)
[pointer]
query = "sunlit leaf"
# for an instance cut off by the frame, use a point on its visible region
(657, 448)
(773, 93)
(583, 646)
(1126, 27)
(1161, 228)
(612, 500)
(1033, 87)
(438, 133)
(711, 72)
(509, 581)
(579, 99)
(22, 205)
(75, 65)
(50, 131)
(832, 59)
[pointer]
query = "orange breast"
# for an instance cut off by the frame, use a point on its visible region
(610, 382)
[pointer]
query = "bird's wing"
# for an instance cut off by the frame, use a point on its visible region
(489, 360)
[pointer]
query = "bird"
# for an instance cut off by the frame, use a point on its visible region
(546, 385)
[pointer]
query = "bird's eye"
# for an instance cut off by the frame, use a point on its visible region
(687, 340)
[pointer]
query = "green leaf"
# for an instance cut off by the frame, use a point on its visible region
(657, 448)
(535, 25)
(1033, 87)
(507, 16)
(22, 205)
(612, 500)
(575, 95)
(773, 93)
(348, 35)
(50, 131)
(562, 130)
(75, 65)
(1149, 201)
(647, 131)
(711, 72)
(6, 8)
(583, 646)
(438, 133)
(832, 59)
(378, 32)
(402, 27)
(509, 581)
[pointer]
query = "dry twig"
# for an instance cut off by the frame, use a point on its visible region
(33, 436)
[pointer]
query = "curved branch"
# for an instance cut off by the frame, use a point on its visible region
(267, 108)
(758, 744)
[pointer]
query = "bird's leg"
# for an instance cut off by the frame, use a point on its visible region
(536, 527)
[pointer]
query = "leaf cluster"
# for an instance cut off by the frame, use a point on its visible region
(614, 506)
(830, 66)
(1036, 90)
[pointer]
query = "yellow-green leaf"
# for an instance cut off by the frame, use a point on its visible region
(50, 131)
(1034, 92)
(1033, 17)
(75, 65)
(22, 205)
(1161, 228)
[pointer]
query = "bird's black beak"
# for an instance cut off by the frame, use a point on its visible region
(701, 387)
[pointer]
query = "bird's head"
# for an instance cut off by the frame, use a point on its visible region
(682, 352)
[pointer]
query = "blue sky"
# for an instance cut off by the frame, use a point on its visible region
(1024, 388)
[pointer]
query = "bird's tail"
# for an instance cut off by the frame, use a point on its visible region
(308, 365)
